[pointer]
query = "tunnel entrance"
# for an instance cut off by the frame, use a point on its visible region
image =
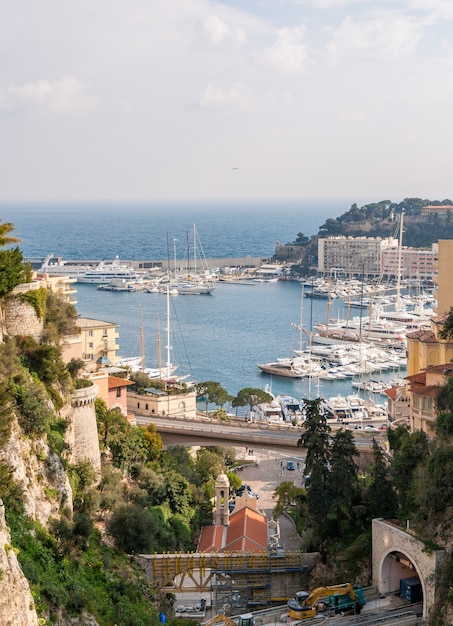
(399, 576)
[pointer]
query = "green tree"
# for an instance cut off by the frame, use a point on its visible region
(132, 528)
(108, 421)
(153, 441)
(410, 453)
(127, 446)
(208, 465)
(13, 271)
(315, 438)
(5, 238)
(60, 317)
(302, 240)
(342, 483)
(381, 496)
(251, 397)
(213, 393)
(285, 493)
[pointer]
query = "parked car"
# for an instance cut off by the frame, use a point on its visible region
(290, 465)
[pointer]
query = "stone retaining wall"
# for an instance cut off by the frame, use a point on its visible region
(20, 318)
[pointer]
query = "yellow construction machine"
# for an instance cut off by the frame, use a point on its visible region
(337, 598)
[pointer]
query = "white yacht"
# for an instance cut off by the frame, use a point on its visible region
(106, 271)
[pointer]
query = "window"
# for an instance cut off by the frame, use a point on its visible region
(91, 344)
(146, 407)
(90, 333)
(105, 332)
(118, 392)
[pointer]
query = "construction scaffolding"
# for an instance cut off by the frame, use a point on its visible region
(236, 582)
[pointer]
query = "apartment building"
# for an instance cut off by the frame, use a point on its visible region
(415, 263)
(352, 255)
(98, 342)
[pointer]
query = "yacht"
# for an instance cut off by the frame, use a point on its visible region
(55, 266)
(106, 271)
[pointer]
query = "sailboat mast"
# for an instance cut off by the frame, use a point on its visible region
(398, 272)
(142, 340)
(159, 354)
(301, 321)
(168, 333)
(194, 251)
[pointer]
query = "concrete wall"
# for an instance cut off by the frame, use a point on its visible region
(398, 554)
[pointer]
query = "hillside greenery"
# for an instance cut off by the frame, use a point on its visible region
(150, 500)
(379, 219)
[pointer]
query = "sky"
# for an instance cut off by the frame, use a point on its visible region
(241, 99)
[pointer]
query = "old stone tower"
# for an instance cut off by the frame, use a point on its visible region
(222, 496)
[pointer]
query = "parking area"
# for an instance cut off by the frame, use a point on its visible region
(268, 470)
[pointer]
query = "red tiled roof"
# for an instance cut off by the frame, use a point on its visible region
(211, 538)
(114, 382)
(417, 378)
(247, 532)
(390, 393)
(430, 391)
(425, 336)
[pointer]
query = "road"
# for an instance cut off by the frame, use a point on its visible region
(204, 431)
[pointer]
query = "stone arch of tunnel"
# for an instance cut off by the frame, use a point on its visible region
(397, 555)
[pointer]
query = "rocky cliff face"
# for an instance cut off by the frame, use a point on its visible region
(40, 473)
(17, 607)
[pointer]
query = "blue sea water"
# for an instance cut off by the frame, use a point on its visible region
(219, 337)
(141, 231)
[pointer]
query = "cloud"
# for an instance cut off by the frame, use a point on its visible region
(289, 52)
(218, 98)
(437, 9)
(384, 35)
(215, 28)
(67, 95)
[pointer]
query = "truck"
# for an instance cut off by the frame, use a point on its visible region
(343, 598)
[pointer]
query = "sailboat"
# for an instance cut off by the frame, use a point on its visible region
(137, 364)
(197, 281)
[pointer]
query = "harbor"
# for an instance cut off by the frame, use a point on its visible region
(226, 336)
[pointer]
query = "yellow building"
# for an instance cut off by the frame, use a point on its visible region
(426, 349)
(443, 277)
(429, 358)
(424, 390)
(98, 342)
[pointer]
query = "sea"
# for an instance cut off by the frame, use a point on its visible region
(219, 337)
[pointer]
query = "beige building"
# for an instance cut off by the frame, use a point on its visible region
(98, 342)
(415, 263)
(60, 285)
(156, 402)
(352, 255)
(424, 390)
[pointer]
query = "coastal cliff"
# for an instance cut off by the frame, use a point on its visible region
(17, 607)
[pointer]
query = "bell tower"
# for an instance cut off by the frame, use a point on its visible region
(222, 496)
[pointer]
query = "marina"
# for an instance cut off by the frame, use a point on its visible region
(225, 336)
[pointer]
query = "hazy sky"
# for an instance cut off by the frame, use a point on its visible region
(193, 99)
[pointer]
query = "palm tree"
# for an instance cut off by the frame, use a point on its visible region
(5, 239)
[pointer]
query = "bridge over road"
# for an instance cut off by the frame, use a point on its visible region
(203, 431)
